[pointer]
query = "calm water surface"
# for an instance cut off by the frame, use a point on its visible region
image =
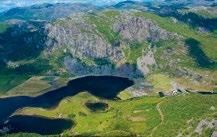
(106, 87)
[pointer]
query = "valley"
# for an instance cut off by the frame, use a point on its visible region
(129, 69)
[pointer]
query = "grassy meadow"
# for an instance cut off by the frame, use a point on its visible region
(145, 116)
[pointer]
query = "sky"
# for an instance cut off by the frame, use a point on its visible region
(8, 4)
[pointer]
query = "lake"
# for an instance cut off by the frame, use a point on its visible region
(107, 87)
(98, 106)
(37, 124)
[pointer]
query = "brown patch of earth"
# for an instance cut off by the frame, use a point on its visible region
(136, 118)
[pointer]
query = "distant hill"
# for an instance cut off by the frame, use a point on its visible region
(45, 11)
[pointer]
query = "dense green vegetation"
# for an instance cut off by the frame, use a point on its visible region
(183, 113)
(3, 27)
(104, 27)
(8, 82)
(111, 13)
(134, 51)
(12, 77)
(102, 61)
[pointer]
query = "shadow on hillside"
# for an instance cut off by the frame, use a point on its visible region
(23, 41)
(193, 19)
(195, 51)
(196, 20)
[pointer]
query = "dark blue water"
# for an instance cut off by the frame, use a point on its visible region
(98, 106)
(207, 93)
(106, 87)
(36, 124)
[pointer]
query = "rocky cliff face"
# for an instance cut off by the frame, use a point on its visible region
(145, 62)
(139, 29)
(83, 47)
(79, 37)
(82, 40)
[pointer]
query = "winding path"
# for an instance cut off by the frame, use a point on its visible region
(161, 118)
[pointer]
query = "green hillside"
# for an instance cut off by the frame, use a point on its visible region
(144, 116)
(171, 61)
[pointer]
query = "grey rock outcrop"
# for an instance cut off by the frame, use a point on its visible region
(205, 124)
(214, 134)
(76, 67)
(144, 62)
(81, 39)
(140, 29)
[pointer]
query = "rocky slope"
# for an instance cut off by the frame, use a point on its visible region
(128, 43)
(82, 39)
